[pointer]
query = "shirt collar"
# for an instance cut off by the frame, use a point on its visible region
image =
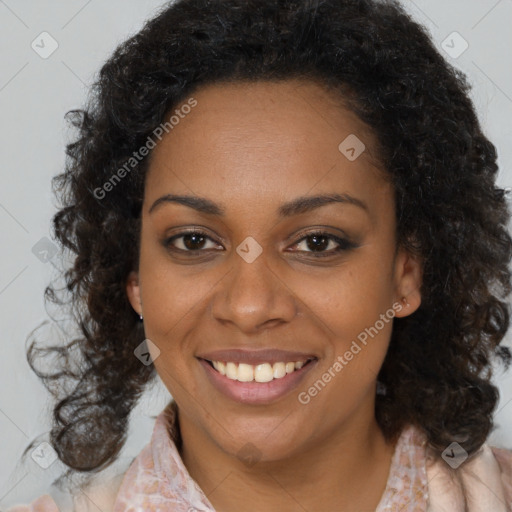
(158, 479)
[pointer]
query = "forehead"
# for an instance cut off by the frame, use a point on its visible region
(265, 142)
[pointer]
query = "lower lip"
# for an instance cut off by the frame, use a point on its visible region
(256, 392)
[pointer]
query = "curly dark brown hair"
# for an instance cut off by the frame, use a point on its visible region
(449, 210)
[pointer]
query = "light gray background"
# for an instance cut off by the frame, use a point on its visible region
(35, 93)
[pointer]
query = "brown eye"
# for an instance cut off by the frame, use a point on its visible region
(193, 241)
(323, 244)
(317, 243)
(190, 241)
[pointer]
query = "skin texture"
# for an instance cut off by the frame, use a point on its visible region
(250, 148)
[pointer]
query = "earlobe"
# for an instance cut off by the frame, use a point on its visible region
(133, 292)
(408, 304)
(409, 272)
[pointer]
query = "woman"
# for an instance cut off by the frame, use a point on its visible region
(288, 212)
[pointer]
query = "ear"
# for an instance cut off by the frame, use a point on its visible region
(408, 280)
(133, 292)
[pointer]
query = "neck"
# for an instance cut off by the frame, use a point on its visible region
(348, 470)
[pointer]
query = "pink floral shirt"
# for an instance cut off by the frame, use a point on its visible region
(158, 481)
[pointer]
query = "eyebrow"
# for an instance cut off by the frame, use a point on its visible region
(297, 206)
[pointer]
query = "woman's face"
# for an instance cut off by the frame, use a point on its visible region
(257, 277)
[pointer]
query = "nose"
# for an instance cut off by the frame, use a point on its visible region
(253, 297)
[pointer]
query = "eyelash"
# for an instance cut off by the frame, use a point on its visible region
(343, 243)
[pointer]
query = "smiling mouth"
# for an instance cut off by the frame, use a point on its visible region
(264, 372)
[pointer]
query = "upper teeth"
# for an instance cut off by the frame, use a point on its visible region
(264, 372)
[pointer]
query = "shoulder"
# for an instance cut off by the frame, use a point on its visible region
(504, 459)
(483, 482)
(44, 503)
(90, 499)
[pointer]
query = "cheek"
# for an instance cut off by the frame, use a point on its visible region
(171, 303)
(350, 298)
(349, 304)
(172, 295)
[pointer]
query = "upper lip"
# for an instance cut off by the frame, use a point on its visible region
(254, 357)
